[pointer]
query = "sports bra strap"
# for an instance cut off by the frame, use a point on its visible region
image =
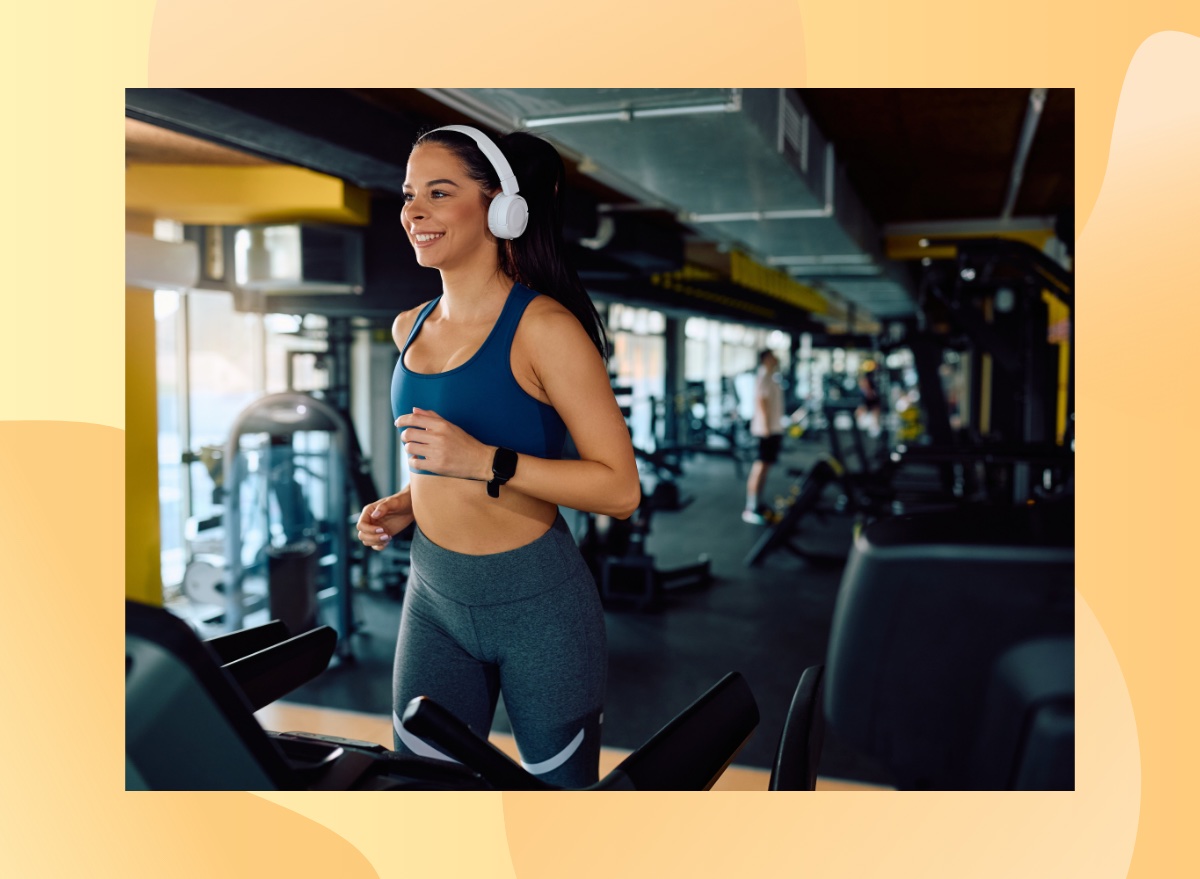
(429, 306)
(506, 324)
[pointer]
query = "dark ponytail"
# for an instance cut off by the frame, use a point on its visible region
(535, 259)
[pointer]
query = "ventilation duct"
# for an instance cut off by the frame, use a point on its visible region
(746, 168)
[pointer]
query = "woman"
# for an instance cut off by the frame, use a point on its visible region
(491, 375)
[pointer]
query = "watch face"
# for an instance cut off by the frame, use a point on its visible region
(504, 464)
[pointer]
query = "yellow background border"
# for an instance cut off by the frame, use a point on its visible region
(61, 410)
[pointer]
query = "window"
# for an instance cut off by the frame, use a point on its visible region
(639, 352)
(172, 490)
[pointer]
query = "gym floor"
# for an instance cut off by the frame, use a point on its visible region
(769, 623)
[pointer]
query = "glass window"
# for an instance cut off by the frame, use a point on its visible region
(225, 374)
(638, 362)
(172, 489)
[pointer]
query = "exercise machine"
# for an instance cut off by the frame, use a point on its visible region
(728, 438)
(866, 492)
(951, 655)
(189, 724)
(1010, 308)
(615, 549)
(626, 574)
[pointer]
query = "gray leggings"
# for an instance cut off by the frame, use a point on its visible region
(526, 622)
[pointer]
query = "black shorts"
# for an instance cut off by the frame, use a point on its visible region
(768, 448)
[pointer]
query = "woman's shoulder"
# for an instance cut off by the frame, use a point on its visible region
(548, 329)
(542, 306)
(545, 317)
(404, 322)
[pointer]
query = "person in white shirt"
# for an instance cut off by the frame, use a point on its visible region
(767, 425)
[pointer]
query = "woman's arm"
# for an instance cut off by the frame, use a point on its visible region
(571, 372)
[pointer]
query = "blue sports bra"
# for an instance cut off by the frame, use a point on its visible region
(481, 396)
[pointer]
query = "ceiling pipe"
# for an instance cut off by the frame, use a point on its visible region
(606, 228)
(953, 228)
(828, 271)
(1033, 115)
(829, 259)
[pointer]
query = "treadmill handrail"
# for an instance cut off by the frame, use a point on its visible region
(427, 719)
(693, 750)
(243, 642)
(689, 753)
(275, 671)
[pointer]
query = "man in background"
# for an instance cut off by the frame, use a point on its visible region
(766, 425)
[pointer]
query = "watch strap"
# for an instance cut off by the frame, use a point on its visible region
(504, 467)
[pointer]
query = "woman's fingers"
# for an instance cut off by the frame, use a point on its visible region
(415, 435)
(434, 445)
(371, 531)
(424, 418)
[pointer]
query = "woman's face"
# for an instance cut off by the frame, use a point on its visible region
(445, 213)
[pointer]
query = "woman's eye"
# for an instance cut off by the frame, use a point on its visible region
(408, 196)
(437, 193)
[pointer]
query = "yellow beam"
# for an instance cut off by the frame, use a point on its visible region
(677, 283)
(222, 195)
(909, 246)
(778, 285)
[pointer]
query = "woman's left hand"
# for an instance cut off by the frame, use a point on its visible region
(447, 450)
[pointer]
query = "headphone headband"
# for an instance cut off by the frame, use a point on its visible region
(507, 214)
(508, 180)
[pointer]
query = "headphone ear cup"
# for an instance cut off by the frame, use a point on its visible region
(507, 216)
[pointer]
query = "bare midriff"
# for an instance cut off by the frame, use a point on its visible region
(458, 515)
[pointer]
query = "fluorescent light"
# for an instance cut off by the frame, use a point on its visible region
(616, 116)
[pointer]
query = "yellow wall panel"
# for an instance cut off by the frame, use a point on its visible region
(143, 579)
(143, 571)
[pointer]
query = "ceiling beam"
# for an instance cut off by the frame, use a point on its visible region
(325, 130)
(209, 195)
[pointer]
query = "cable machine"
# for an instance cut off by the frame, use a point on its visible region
(286, 514)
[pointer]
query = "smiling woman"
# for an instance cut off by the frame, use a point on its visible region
(491, 376)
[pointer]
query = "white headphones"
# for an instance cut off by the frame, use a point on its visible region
(508, 214)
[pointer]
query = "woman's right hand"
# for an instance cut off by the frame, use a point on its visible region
(384, 519)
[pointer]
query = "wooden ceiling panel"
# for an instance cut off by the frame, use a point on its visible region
(150, 144)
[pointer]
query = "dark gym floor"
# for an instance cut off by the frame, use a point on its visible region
(769, 623)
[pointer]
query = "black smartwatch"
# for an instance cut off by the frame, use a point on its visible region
(504, 467)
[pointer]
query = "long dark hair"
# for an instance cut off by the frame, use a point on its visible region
(535, 259)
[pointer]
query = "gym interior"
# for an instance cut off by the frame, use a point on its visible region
(898, 612)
